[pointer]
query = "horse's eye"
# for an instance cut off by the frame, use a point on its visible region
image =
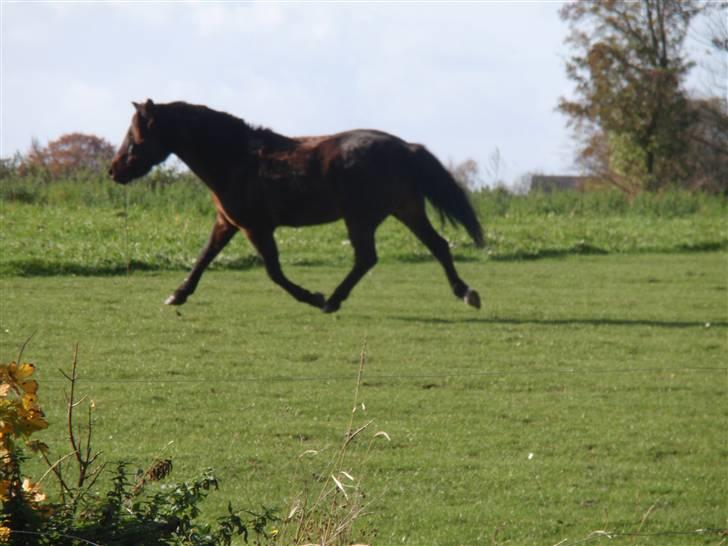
(130, 148)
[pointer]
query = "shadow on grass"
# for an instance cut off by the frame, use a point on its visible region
(47, 268)
(580, 249)
(41, 268)
(704, 246)
(585, 249)
(567, 322)
(420, 258)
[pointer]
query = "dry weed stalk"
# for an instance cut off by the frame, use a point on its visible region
(81, 447)
(329, 515)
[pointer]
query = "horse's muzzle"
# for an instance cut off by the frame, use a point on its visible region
(117, 177)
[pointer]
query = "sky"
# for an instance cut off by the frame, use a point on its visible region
(463, 78)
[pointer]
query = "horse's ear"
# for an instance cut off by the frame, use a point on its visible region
(144, 109)
(146, 112)
(149, 113)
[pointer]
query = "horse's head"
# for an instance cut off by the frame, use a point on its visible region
(142, 148)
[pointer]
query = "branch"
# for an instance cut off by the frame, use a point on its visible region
(69, 413)
(88, 439)
(717, 148)
(24, 345)
(55, 467)
(84, 457)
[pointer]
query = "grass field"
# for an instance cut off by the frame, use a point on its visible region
(589, 393)
(93, 227)
(610, 371)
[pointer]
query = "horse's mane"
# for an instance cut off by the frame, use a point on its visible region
(221, 126)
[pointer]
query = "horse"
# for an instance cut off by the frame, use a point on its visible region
(261, 180)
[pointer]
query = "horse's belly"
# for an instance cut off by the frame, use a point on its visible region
(309, 214)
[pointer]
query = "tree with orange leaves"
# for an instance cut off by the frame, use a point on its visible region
(69, 153)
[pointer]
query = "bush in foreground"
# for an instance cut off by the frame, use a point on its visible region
(129, 513)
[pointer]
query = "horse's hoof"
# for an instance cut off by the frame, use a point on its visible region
(318, 300)
(472, 298)
(331, 306)
(175, 299)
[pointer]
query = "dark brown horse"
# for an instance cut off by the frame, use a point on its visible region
(261, 180)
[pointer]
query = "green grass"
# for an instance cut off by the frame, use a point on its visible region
(609, 370)
(589, 393)
(94, 227)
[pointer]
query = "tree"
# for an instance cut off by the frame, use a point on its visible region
(708, 145)
(630, 108)
(467, 173)
(70, 153)
(496, 168)
(709, 136)
(712, 35)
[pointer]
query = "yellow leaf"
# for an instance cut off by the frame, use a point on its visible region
(32, 422)
(30, 386)
(24, 371)
(14, 375)
(30, 402)
(4, 389)
(4, 490)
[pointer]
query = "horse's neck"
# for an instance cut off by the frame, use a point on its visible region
(190, 156)
(211, 159)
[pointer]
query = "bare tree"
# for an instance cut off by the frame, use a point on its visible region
(496, 168)
(466, 173)
(711, 34)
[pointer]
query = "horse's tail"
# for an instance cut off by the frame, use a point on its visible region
(448, 197)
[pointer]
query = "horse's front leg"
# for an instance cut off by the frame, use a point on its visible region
(265, 244)
(221, 234)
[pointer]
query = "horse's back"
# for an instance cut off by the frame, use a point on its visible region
(368, 173)
(359, 150)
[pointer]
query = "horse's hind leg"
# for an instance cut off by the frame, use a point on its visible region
(265, 244)
(221, 234)
(365, 257)
(416, 220)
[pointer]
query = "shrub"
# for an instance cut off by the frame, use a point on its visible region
(127, 514)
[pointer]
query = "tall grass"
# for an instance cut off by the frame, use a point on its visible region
(89, 225)
(168, 189)
(673, 203)
(162, 189)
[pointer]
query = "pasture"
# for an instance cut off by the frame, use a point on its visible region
(588, 394)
